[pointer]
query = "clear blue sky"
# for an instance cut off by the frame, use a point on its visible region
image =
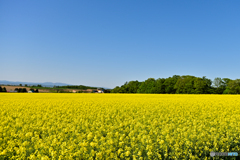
(108, 42)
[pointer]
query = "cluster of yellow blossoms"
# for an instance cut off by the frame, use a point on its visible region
(117, 126)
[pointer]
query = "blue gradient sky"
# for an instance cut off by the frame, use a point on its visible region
(106, 43)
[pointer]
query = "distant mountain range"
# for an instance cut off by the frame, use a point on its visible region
(44, 84)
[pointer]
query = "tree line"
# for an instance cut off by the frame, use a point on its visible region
(75, 87)
(185, 84)
(22, 90)
(3, 89)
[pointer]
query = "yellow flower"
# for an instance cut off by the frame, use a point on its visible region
(161, 142)
(127, 153)
(117, 126)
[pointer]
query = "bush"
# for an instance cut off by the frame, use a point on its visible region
(226, 91)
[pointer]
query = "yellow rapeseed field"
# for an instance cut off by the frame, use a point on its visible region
(117, 126)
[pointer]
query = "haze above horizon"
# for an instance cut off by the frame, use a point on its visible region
(106, 43)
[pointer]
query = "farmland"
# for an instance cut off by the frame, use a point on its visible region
(46, 89)
(117, 126)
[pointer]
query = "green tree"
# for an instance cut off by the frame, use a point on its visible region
(133, 86)
(202, 85)
(124, 88)
(19, 89)
(234, 86)
(225, 85)
(20, 84)
(226, 81)
(169, 84)
(219, 85)
(208, 87)
(115, 90)
(1, 89)
(159, 86)
(180, 84)
(24, 90)
(4, 89)
(199, 85)
(147, 86)
(185, 84)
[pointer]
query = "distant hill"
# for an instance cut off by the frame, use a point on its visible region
(44, 84)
